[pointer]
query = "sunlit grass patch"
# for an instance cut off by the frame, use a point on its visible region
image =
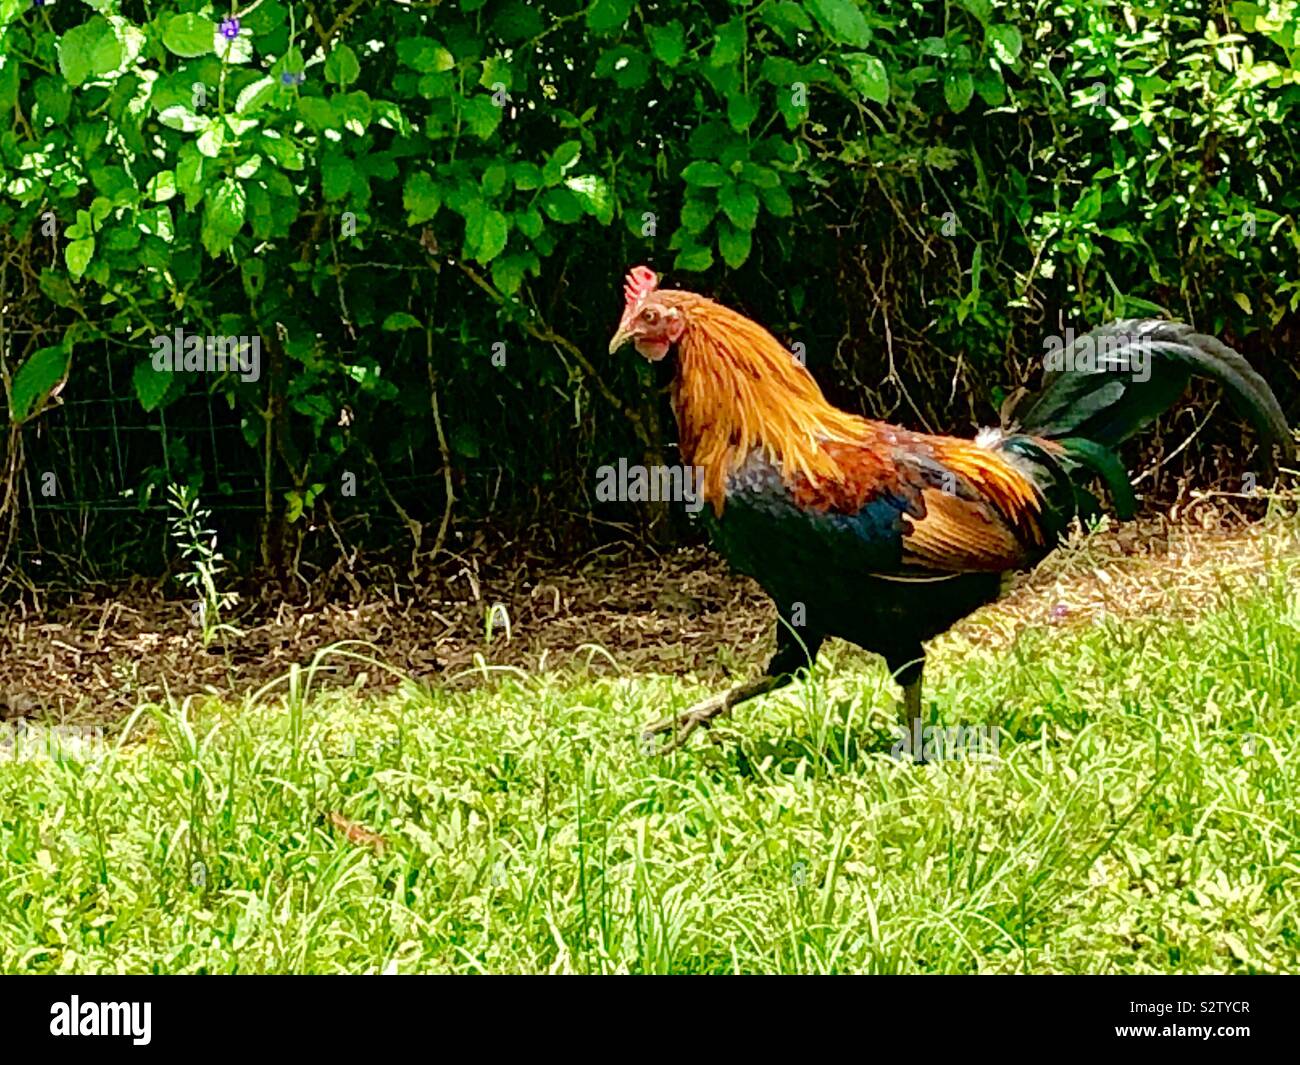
(1141, 816)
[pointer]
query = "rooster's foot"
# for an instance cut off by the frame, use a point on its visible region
(680, 726)
(703, 713)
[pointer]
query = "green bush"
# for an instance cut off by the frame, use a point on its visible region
(423, 212)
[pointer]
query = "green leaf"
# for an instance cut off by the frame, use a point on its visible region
(526, 176)
(284, 150)
(36, 379)
(981, 9)
(89, 50)
(337, 173)
(494, 181)
(180, 117)
(697, 213)
(53, 99)
(667, 42)
(760, 176)
(260, 212)
(496, 75)
(353, 109)
(990, 86)
(628, 66)
(561, 205)
(777, 201)
(593, 193)
(162, 186)
(957, 90)
(729, 43)
(231, 50)
(842, 21)
(114, 183)
(188, 35)
(529, 223)
(342, 68)
(517, 21)
(1005, 41)
(255, 96)
(704, 174)
(189, 174)
(421, 198)
(150, 385)
(486, 233)
(424, 56)
(741, 111)
(508, 271)
(481, 115)
(8, 83)
(786, 15)
(400, 320)
(1122, 234)
(696, 258)
(782, 72)
(121, 238)
(465, 441)
(604, 16)
(564, 158)
(793, 109)
(711, 140)
(868, 76)
(223, 215)
(212, 138)
(739, 202)
(317, 113)
(78, 254)
(734, 243)
(54, 283)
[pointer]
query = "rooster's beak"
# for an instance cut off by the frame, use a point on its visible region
(620, 338)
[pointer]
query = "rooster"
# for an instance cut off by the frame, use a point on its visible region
(879, 535)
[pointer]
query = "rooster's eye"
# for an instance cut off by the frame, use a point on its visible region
(649, 314)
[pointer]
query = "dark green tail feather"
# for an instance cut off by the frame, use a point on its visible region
(1088, 413)
(1108, 406)
(1062, 474)
(1103, 462)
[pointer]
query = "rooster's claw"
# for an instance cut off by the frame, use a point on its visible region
(682, 725)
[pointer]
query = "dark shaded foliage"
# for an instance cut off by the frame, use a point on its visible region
(424, 211)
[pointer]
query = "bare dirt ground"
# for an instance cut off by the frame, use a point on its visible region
(95, 659)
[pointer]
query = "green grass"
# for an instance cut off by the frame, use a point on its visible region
(1142, 817)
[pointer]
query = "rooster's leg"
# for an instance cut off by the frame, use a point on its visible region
(912, 702)
(910, 710)
(792, 652)
(703, 712)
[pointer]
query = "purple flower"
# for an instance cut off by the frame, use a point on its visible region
(290, 77)
(1059, 612)
(230, 29)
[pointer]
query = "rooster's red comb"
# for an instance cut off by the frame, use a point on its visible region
(638, 284)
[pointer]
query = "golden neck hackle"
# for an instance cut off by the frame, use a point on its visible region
(738, 389)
